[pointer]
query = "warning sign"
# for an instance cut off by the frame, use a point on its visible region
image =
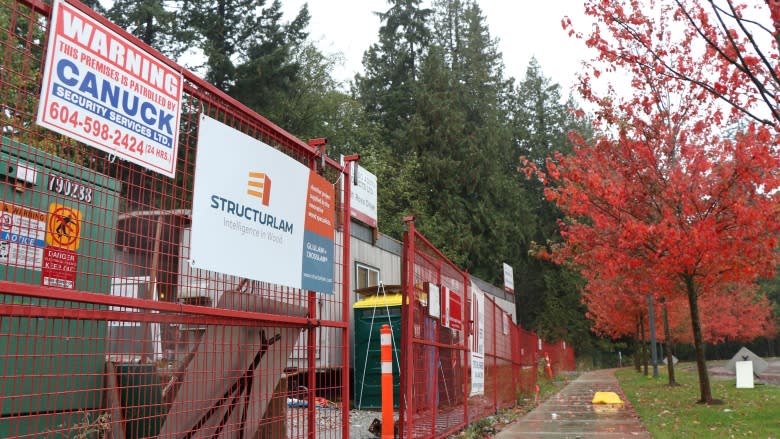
(63, 227)
(59, 268)
(21, 236)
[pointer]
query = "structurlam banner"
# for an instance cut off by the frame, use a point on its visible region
(259, 214)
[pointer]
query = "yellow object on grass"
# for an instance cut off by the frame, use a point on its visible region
(606, 398)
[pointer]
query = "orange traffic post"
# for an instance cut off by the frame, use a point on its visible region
(548, 366)
(387, 382)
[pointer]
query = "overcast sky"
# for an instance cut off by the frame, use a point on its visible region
(523, 28)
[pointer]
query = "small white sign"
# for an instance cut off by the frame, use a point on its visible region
(744, 374)
(434, 308)
(509, 278)
(477, 338)
(363, 200)
(101, 89)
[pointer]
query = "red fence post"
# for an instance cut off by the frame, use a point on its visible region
(407, 427)
(436, 355)
(345, 289)
(495, 358)
(515, 361)
(311, 354)
(467, 318)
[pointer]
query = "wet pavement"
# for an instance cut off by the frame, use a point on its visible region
(570, 413)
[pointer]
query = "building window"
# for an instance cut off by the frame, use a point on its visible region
(365, 276)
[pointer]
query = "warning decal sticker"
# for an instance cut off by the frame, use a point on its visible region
(63, 228)
(21, 236)
(59, 268)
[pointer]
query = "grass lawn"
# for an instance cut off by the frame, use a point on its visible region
(672, 412)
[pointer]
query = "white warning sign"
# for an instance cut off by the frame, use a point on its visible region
(22, 233)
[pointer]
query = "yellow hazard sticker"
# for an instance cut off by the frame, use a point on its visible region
(63, 228)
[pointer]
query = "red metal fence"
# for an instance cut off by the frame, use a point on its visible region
(464, 358)
(107, 330)
(433, 350)
(561, 356)
(526, 343)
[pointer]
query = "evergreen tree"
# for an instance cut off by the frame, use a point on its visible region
(280, 66)
(549, 297)
(387, 89)
(96, 6)
(387, 92)
(154, 22)
(224, 29)
(473, 202)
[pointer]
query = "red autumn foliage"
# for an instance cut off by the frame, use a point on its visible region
(736, 315)
(740, 41)
(678, 196)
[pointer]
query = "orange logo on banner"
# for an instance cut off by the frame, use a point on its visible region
(63, 227)
(259, 185)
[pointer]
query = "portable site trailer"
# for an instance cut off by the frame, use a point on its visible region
(57, 231)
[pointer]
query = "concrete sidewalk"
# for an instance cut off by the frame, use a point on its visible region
(570, 413)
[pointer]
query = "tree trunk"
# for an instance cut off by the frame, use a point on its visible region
(637, 361)
(698, 342)
(668, 346)
(644, 344)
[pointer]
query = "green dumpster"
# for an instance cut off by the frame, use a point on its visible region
(370, 314)
(57, 229)
(141, 397)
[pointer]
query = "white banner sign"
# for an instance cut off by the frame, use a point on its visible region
(477, 339)
(363, 196)
(433, 301)
(102, 90)
(260, 214)
(509, 278)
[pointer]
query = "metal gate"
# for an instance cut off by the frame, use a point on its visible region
(462, 356)
(434, 341)
(107, 329)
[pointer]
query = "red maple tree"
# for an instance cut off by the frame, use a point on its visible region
(678, 185)
(739, 40)
(615, 297)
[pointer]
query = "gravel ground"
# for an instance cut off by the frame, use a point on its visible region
(329, 423)
(359, 421)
